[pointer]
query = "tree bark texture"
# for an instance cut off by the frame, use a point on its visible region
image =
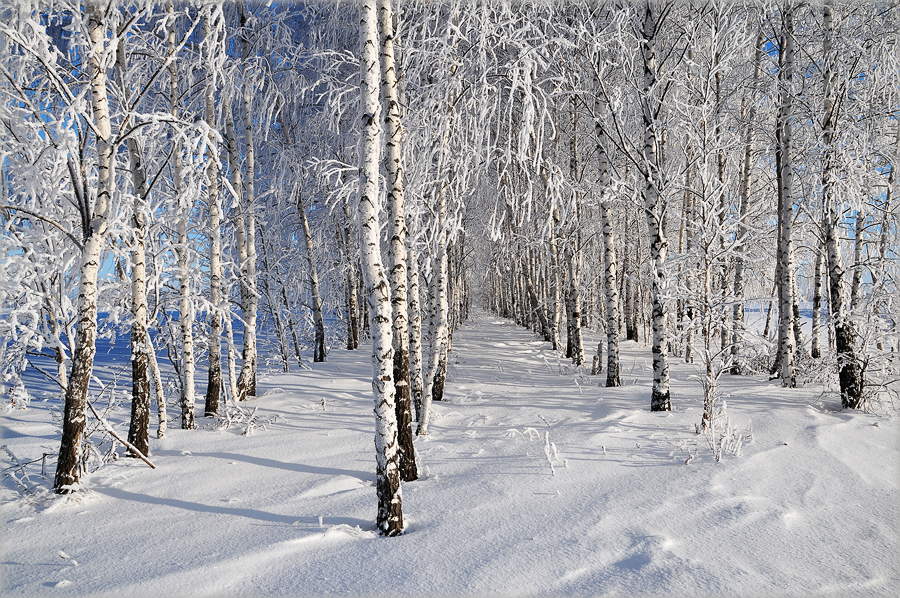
(185, 305)
(654, 206)
(393, 168)
(139, 424)
(785, 175)
(247, 378)
(68, 466)
(849, 374)
(378, 293)
(214, 374)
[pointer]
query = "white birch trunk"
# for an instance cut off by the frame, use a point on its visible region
(214, 377)
(240, 239)
(575, 342)
(68, 470)
(610, 288)
(185, 305)
(748, 111)
(654, 206)
(318, 318)
(785, 174)
(397, 240)
(378, 293)
(352, 303)
(161, 411)
(554, 268)
(849, 375)
(139, 425)
(416, 379)
(247, 378)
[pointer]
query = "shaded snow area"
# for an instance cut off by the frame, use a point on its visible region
(537, 481)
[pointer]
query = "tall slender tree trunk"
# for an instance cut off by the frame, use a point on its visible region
(416, 379)
(318, 318)
(68, 465)
(378, 292)
(440, 337)
(555, 280)
(785, 174)
(161, 411)
(748, 111)
(139, 425)
(849, 374)
(610, 288)
(247, 378)
(573, 250)
(214, 374)
(817, 305)
(352, 301)
(186, 307)
(274, 308)
(234, 168)
(319, 352)
(393, 135)
(654, 207)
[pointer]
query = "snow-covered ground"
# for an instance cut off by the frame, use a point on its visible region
(808, 507)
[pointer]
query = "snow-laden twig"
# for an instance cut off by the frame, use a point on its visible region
(106, 425)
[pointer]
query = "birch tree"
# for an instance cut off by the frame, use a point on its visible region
(378, 293)
(97, 219)
(216, 273)
(785, 176)
(654, 201)
(849, 374)
(397, 257)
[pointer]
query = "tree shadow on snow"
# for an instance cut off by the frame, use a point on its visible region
(263, 462)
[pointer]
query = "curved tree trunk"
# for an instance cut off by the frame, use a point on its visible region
(68, 465)
(318, 318)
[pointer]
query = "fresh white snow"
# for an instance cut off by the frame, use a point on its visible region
(537, 481)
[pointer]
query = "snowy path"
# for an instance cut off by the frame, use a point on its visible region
(810, 507)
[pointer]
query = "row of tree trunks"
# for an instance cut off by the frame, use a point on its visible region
(397, 258)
